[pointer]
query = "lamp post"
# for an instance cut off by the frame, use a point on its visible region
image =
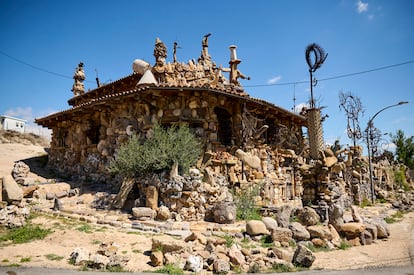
(368, 130)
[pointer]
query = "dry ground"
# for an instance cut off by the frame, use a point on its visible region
(69, 234)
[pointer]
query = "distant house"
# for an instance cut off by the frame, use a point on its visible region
(12, 123)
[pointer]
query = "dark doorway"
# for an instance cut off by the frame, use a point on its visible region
(224, 132)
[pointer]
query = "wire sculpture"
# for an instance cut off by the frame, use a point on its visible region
(319, 57)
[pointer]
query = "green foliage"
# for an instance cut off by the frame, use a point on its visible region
(157, 153)
(54, 257)
(365, 202)
(25, 260)
(313, 248)
(344, 245)
(266, 241)
(396, 217)
(229, 240)
(115, 268)
(279, 268)
(25, 234)
(400, 179)
(245, 204)
(170, 269)
(85, 228)
(254, 268)
(405, 148)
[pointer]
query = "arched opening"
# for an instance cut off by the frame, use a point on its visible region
(224, 131)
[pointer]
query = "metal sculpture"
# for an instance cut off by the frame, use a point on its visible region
(353, 108)
(314, 63)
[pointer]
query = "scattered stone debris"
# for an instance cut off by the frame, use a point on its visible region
(104, 258)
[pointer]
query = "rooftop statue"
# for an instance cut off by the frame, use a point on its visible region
(78, 88)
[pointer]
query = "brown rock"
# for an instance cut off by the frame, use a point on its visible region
(320, 231)
(318, 242)
(28, 191)
(281, 234)
(254, 228)
(151, 194)
(353, 228)
(157, 258)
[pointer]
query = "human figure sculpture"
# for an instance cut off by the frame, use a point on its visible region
(78, 88)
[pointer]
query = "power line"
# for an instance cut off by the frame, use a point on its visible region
(333, 77)
(38, 68)
(247, 86)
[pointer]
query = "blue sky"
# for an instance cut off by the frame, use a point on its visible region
(271, 37)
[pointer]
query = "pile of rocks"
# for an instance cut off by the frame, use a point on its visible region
(266, 243)
(192, 197)
(104, 258)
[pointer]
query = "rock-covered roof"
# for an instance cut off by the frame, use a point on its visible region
(201, 75)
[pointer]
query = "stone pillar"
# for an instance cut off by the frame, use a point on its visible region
(315, 132)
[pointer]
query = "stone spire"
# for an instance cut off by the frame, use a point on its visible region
(78, 88)
(160, 52)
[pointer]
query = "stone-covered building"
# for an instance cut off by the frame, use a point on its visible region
(217, 108)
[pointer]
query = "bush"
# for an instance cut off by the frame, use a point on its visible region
(246, 207)
(157, 153)
(400, 179)
(25, 234)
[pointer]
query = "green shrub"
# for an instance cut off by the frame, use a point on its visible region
(279, 268)
(170, 269)
(157, 153)
(25, 234)
(344, 245)
(85, 228)
(25, 260)
(245, 203)
(266, 241)
(396, 217)
(400, 179)
(54, 257)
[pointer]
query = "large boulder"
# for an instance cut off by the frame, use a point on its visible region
(320, 231)
(283, 215)
(224, 213)
(12, 193)
(303, 256)
(308, 216)
(80, 256)
(300, 233)
(352, 229)
(336, 216)
(281, 234)
(270, 223)
(20, 172)
(221, 266)
(194, 263)
(254, 228)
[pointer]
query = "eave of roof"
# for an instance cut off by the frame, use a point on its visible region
(45, 121)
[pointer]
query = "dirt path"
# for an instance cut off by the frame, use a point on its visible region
(388, 252)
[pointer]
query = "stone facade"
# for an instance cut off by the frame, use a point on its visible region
(218, 110)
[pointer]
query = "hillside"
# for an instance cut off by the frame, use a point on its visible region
(7, 136)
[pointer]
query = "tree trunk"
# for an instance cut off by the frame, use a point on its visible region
(123, 193)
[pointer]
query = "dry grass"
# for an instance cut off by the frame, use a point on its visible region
(7, 136)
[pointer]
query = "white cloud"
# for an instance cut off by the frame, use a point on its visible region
(21, 112)
(361, 6)
(274, 79)
(371, 17)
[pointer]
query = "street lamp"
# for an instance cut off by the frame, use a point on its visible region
(368, 130)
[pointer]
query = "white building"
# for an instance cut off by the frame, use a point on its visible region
(12, 123)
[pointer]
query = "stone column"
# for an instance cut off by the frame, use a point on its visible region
(315, 132)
